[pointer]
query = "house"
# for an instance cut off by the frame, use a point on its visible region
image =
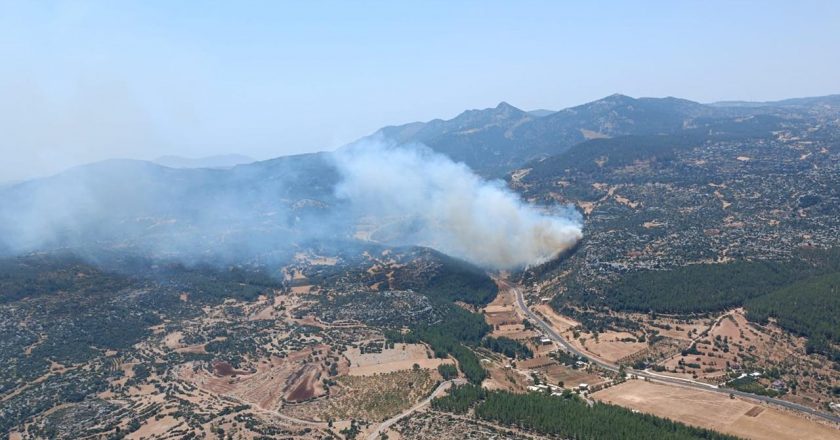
(583, 386)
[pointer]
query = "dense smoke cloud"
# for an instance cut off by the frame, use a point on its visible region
(445, 205)
(266, 212)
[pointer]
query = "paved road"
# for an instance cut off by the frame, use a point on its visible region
(551, 333)
(437, 392)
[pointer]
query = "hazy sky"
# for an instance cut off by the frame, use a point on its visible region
(84, 81)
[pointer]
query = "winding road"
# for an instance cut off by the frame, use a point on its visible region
(654, 377)
(437, 392)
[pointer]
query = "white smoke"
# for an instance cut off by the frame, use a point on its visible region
(450, 208)
(264, 211)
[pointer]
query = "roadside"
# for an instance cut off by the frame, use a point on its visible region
(653, 377)
(384, 426)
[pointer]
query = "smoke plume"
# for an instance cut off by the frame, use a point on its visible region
(267, 211)
(444, 205)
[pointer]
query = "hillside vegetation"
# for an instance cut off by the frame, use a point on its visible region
(565, 417)
(808, 308)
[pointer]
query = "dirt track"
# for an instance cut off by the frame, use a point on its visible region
(437, 392)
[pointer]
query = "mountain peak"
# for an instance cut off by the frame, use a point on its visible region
(505, 106)
(618, 97)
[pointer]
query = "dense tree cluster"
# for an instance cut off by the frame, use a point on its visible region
(701, 287)
(566, 417)
(448, 371)
(38, 275)
(460, 399)
(458, 280)
(750, 385)
(808, 308)
(508, 347)
(622, 151)
(801, 294)
(458, 329)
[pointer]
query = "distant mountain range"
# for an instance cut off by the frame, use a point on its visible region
(496, 140)
(218, 161)
(212, 197)
(151, 208)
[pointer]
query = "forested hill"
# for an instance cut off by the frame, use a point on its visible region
(496, 140)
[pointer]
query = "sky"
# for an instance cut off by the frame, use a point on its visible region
(87, 81)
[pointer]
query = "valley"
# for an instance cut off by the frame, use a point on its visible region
(690, 293)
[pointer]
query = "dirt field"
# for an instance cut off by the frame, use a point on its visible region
(401, 357)
(535, 362)
(293, 379)
(502, 311)
(374, 398)
(736, 345)
(389, 367)
(610, 347)
(559, 322)
(504, 379)
(715, 411)
(154, 428)
(571, 378)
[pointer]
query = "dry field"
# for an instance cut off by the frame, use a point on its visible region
(373, 398)
(501, 377)
(559, 322)
(746, 347)
(679, 329)
(401, 357)
(610, 347)
(570, 377)
(535, 362)
(293, 379)
(716, 411)
(501, 312)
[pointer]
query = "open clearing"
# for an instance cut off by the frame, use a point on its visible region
(715, 411)
(374, 398)
(571, 378)
(559, 322)
(401, 357)
(292, 379)
(501, 312)
(612, 346)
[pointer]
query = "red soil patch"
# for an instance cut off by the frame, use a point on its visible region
(755, 411)
(302, 384)
(225, 369)
(538, 361)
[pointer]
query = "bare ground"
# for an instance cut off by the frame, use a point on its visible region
(716, 411)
